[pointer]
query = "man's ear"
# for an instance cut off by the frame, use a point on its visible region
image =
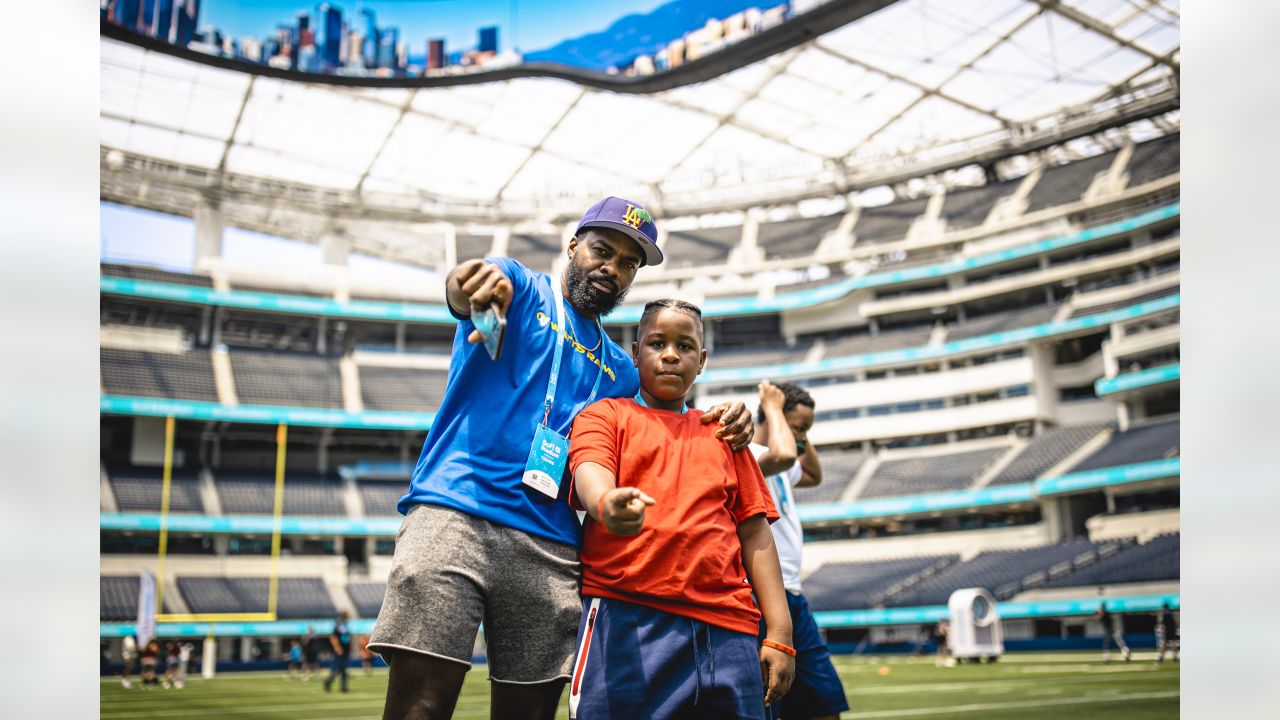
(635, 354)
(573, 246)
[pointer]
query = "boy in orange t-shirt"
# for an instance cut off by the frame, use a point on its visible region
(675, 541)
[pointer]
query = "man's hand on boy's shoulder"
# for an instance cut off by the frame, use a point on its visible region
(737, 424)
(622, 510)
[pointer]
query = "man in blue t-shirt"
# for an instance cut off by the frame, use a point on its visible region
(488, 534)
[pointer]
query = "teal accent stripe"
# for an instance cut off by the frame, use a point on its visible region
(712, 307)
(881, 507)
(278, 628)
(826, 619)
(1140, 379)
(1105, 477)
(984, 342)
(267, 414)
(298, 304)
(252, 524)
(1007, 610)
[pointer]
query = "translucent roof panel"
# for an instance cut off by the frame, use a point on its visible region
(918, 78)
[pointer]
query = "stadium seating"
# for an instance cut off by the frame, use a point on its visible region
(887, 223)
(471, 247)
(298, 598)
(861, 342)
(1067, 183)
(275, 378)
(937, 473)
(391, 388)
(838, 469)
(367, 597)
(691, 248)
(140, 489)
(1159, 559)
(795, 238)
(1155, 159)
(118, 598)
(922, 259)
(141, 272)
(278, 290)
(536, 252)
(254, 494)
(997, 569)
(860, 585)
(751, 357)
(381, 497)
(1141, 443)
(965, 208)
(1001, 321)
(1046, 450)
(1133, 300)
(185, 376)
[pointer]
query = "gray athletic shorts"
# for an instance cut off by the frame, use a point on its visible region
(452, 570)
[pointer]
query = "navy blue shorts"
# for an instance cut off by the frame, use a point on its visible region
(637, 662)
(816, 691)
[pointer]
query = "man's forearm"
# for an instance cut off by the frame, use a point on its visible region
(810, 467)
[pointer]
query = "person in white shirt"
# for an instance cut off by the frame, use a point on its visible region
(788, 461)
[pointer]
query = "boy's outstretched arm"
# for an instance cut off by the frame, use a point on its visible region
(620, 510)
(760, 558)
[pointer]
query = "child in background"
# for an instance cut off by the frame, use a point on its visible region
(675, 541)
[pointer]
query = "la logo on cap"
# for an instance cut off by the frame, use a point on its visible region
(635, 217)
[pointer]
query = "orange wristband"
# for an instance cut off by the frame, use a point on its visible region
(779, 647)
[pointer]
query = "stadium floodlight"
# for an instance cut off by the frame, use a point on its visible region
(273, 582)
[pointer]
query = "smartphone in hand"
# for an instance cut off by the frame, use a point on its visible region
(492, 324)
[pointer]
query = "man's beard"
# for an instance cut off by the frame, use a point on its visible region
(587, 297)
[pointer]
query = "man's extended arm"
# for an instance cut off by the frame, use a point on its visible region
(474, 285)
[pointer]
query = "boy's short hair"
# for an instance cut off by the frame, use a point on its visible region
(656, 306)
(793, 395)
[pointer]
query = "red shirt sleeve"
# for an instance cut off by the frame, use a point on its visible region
(753, 495)
(594, 438)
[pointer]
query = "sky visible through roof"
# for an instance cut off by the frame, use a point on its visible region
(900, 83)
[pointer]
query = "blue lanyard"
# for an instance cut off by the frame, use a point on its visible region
(640, 400)
(559, 351)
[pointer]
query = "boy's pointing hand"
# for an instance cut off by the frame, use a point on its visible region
(622, 510)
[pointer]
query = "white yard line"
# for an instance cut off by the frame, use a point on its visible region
(979, 707)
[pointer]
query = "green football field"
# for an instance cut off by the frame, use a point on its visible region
(1023, 687)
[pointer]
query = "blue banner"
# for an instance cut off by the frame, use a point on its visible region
(1104, 477)
(1007, 610)
(1140, 379)
(252, 524)
(297, 304)
(268, 414)
(880, 507)
(278, 628)
(826, 619)
(712, 307)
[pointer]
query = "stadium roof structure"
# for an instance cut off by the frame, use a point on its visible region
(916, 89)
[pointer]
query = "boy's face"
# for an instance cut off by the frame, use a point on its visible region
(800, 419)
(668, 354)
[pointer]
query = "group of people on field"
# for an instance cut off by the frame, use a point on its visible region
(607, 535)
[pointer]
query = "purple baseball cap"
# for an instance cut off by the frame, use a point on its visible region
(629, 218)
